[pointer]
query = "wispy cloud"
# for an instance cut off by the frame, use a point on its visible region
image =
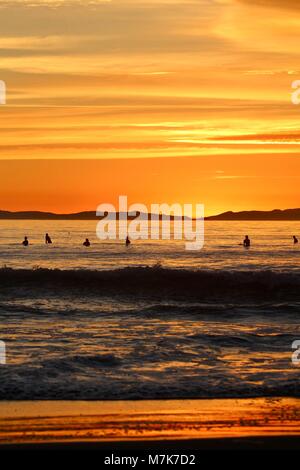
(50, 3)
(284, 4)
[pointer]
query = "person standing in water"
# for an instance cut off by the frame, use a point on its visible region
(87, 242)
(295, 239)
(127, 241)
(48, 240)
(246, 242)
(25, 242)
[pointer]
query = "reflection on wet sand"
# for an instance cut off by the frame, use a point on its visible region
(48, 422)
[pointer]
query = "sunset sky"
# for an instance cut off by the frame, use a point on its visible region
(183, 101)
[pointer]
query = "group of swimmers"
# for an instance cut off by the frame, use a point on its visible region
(86, 243)
(247, 241)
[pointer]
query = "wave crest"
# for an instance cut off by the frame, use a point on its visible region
(158, 282)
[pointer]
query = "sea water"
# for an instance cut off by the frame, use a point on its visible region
(152, 320)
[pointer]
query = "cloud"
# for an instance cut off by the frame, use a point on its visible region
(272, 137)
(270, 26)
(50, 3)
(285, 4)
(222, 62)
(114, 27)
(95, 3)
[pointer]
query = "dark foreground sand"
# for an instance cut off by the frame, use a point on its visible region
(260, 423)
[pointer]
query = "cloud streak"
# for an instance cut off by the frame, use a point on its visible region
(284, 4)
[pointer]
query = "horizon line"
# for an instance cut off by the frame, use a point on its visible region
(78, 213)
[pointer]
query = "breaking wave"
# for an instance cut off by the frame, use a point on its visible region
(158, 282)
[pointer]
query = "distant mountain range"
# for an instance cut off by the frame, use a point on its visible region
(276, 214)
(87, 215)
(288, 214)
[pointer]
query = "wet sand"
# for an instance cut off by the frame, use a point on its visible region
(202, 424)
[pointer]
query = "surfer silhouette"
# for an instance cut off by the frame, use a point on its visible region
(295, 239)
(246, 242)
(127, 241)
(87, 242)
(25, 242)
(48, 240)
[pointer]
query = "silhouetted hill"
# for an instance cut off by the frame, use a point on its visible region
(277, 214)
(36, 215)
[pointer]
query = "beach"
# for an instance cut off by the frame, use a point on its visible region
(183, 424)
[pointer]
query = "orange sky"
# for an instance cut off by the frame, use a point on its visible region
(163, 100)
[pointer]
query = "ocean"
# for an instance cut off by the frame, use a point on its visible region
(152, 320)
